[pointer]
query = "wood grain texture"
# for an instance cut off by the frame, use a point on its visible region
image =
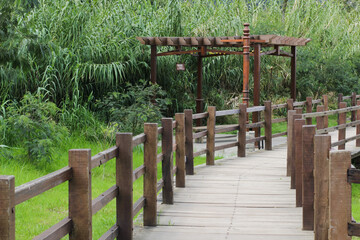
(268, 125)
(308, 109)
(58, 231)
(290, 125)
(210, 139)
(339, 195)
(320, 121)
(7, 207)
(353, 103)
(342, 120)
(189, 148)
(242, 131)
(298, 152)
(294, 143)
(180, 149)
(325, 102)
(167, 162)
(150, 176)
(124, 182)
(358, 126)
(80, 206)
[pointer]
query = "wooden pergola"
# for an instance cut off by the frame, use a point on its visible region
(210, 47)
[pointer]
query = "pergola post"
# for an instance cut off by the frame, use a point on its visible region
(293, 73)
(199, 100)
(257, 62)
(246, 63)
(153, 64)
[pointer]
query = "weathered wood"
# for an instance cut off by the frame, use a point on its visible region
(358, 126)
(298, 110)
(221, 129)
(342, 120)
(278, 106)
(104, 156)
(268, 125)
(331, 112)
(354, 175)
(308, 132)
(153, 64)
(150, 177)
(279, 120)
(325, 102)
(279, 134)
(189, 148)
(210, 138)
(290, 104)
(80, 207)
(354, 229)
(255, 109)
(124, 182)
(139, 139)
(224, 146)
(339, 195)
(7, 207)
(255, 125)
(201, 152)
(167, 162)
(58, 231)
(253, 140)
(321, 186)
(138, 205)
(101, 201)
(111, 234)
(299, 104)
(31, 189)
(138, 172)
(298, 152)
(227, 112)
(342, 142)
(340, 99)
(242, 131)
(308, 109)
(342, 126)
(290, 126)
(353, 103)
(320, 121)
(293, 157)
(197, 115)
(293, 73)
(180, 150)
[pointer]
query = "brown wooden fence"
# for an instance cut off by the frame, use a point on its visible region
(78, 224)
(321, 176)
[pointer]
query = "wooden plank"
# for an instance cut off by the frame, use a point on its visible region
(268, 125)
(353, 176)
(138, 172)
(111, 234)
(342, 126)
(308, 132)
(298, 125)
(321, 186)
(253, 140)
(342, 142)
(331, 112)
(353, 103)
(201, 152)
(58, 231)
(224, 146)
(295, 143)
(279, 120)
(124, 182)
(354, 229)
(138, 205)
(7, 207)
(180, 150)
(279, 134)
(167, 163)
(189, 149)
(342, 120)
(221, 129)
(104, 156)
(101, 201)
(320, 121)
(227, 112)
(255, 125)
(200, 134)
(308, 109)
(290, 125)
(198, 115)
(299, 104)
(150, 177)
(31, 189)
(242, 131)
(210, 138)
(290, 104)
(80, 207)
(325, 102)
(139, 139)
(255, 109)
(339, 195)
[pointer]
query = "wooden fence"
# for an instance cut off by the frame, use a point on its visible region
(321, 176)
(78, 224)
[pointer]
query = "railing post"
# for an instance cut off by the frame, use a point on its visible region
(308, 110)
(7, 207)
(167, 162)
(242, 131)
(339, 195)
(299, 123)
(293, 157)
(210, 137)
(290, 104)
(124, 181)
(180, 149)
(189, 148)
(298, 110)
(320, 121)
(342, 120)
(340, 99)
(80, 205)
(322, 144)
(325, 102)
(358, 126)
(268, 125)
(308, 133)
(290, 126)
(353, 103)
(150, 176)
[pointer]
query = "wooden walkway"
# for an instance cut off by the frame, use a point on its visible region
(238, 198)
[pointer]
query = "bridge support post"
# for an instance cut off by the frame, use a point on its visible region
(268, 124)
(189, 148)
(150, 176)
(210, 137)
(7, 207)
(167, 162)
(124, 181)
(242, 131)
(299, 123)
(339, 195)
(180, 148)
(80, 201)
(308, 133)
(342, 120)
(322, 145)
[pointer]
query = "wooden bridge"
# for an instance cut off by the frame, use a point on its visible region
(297, 190)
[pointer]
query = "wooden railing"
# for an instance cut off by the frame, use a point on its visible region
(322, 177)
(78, 224)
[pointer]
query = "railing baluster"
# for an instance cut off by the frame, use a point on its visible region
(299, 123)
(242, 131)
(189, 148)
(268, 125)
(167, 162)
(180, 149)
(210, 138)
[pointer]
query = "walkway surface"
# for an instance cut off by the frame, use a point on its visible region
(238, 198)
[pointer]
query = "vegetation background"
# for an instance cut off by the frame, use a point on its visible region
(72, 73)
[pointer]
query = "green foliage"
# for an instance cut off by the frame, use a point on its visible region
(31, 124)
(130, 109)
